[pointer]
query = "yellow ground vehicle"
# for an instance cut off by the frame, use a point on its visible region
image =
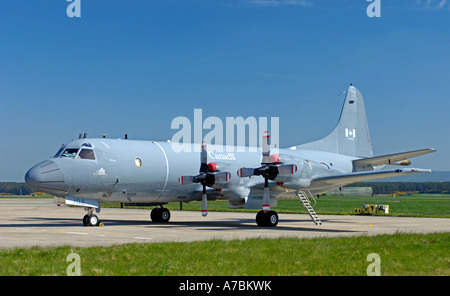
(373, 209)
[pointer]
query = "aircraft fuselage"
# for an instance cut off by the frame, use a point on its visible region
(114, 170)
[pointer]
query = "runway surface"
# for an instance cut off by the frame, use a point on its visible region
(40, 222)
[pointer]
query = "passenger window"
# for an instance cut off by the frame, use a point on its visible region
(86, 154)
(70, 152)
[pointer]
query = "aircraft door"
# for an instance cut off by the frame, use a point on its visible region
(158, 171)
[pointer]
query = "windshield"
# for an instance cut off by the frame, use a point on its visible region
(70, 152)
(58, 154)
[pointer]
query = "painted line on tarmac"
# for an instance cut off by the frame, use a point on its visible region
(82, 233)
(365, 227)
(144, 238)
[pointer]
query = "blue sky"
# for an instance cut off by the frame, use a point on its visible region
(133, 66)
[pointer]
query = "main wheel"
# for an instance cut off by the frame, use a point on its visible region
(154, 215)
(160, 215)
(260, 218)
(271, 218)
(93, 220)
(165, 215)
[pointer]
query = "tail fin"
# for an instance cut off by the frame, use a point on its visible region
(351, 136)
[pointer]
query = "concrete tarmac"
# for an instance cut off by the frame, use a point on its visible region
(40, 222)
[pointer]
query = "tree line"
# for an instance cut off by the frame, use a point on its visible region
(391, 187)
(17, 188)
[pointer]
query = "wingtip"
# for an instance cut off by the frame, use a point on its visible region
(415, 170)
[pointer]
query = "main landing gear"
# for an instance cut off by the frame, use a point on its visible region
(90, 219)
(267, 219)
(263, 219)
(160, 215)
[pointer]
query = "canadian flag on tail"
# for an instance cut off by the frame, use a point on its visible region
(350, 133)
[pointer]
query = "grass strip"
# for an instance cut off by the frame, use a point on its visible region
(400, 254)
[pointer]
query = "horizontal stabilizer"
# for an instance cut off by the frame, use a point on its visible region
(342, 180)
(391, 158)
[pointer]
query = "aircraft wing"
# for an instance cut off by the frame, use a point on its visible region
(391, 158)
(342, 180)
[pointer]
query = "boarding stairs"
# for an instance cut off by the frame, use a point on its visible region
(305, 198)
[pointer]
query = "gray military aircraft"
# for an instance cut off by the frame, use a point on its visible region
(87, 172)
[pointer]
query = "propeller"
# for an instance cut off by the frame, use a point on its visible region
(208, 176)
(270, 168)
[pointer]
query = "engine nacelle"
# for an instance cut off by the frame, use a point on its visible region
(223, 167)
(250, 203)
(302, 177)
(256, 202)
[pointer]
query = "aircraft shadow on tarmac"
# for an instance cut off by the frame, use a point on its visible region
(45, 222)
(223, 225)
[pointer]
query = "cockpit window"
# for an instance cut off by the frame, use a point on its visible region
(86, 154)
(70, 152)
(86, 144)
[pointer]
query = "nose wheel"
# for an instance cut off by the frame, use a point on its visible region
(90, 219)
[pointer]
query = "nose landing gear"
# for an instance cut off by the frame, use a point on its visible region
(90, 219)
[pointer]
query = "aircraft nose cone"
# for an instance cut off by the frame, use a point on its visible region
(45, 176)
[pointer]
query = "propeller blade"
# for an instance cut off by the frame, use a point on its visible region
(245, 172)
(287, 169)
(266, 148)
(222, 177)
(203, 159)
(184, 180)
(266, 196)
(204, 202)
